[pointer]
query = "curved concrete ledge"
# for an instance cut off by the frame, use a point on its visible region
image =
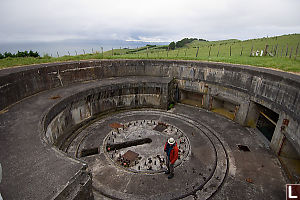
(104, 96)
(243, 85)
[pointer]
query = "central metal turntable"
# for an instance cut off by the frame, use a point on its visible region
(138, 146)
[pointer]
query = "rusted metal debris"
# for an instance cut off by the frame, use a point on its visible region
(116, 125)
(160, 127)
(128, 158)
(55, 97)
(130, 155)
(249, 180)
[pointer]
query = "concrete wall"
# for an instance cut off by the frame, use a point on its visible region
(242, 85)
(74, 110)
(79, 187)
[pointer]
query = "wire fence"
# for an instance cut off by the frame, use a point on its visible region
(220, 50)
(274, 51)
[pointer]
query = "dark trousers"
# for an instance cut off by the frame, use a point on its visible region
(169, 165)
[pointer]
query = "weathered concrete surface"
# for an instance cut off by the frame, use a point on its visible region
(28, 159)
(26, 155)
(205, 167)
(79, 187)
(278, 91)
(31, 169)
(259, 166)
(100, 97)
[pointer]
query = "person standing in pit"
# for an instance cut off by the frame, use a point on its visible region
(171, 150)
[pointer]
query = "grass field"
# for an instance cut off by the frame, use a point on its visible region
(283, 48)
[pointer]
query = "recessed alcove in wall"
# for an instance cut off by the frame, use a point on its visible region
(224, 107)
(191, 98)
(267, 121)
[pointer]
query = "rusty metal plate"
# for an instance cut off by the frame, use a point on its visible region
(116, 125)
(55, 97)
(130, 156)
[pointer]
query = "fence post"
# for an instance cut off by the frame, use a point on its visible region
(287, 50)
(76, 52)
(168, 52)
(102, 52)
(185, 52)
(112, 51)
(197, 52)
(266, 50)
(271, 49)
(297, 50)
(242, 51)
(92, 50)
(177, 53)
(209, 51)
(291, 53)
(147, 51)
(69, 53)
(218, 51)
(230, 50)
(251, 50)
(275, 52)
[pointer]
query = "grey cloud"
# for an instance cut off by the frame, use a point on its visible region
(167, 20)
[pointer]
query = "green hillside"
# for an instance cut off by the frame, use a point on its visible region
(281, 53)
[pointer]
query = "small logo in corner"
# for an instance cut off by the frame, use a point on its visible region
(293, 191)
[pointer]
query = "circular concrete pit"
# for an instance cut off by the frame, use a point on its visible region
(202, 162)
(97, 129)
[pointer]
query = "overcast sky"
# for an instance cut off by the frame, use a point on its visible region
(150, 20)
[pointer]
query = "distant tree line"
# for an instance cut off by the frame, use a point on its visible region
(182, 42)
(19, 54)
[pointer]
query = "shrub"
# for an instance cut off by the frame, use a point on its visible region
(171, 105)
(21, 54)
(8, 54)
(46, 56)
(33, 54)
(185, 41)
(172, 45)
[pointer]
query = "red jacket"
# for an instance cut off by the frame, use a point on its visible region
(173, 153)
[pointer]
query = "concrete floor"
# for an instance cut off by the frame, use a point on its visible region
(259, 166)
(255, 174)
(27, 173)
(192, 173)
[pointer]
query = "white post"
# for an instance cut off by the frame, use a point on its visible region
(261, 53)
